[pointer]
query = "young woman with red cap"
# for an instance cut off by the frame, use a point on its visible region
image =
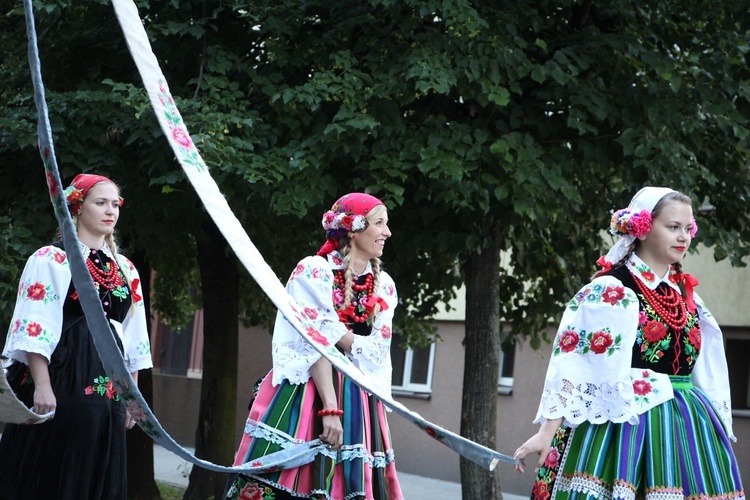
(352, 300)
(636, 399)
(54, 366)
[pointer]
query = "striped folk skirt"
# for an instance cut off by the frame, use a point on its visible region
(678, 450)
(363, 468)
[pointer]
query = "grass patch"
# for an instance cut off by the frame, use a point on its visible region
(170, 492)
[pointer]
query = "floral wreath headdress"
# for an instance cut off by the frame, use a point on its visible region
(633, 222)
(79, 188)
(348, 214)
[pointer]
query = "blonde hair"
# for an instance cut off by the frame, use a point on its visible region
(344, 247)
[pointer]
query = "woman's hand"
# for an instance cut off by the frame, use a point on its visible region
(333, 432)
(129, 421)
(538, 443)
(44, 399)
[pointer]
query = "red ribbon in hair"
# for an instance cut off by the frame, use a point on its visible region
(605, 264)
(690, 282)
(329, 246)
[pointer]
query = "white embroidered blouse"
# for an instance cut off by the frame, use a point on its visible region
(311, 284)
(37, 320)
(590, 378)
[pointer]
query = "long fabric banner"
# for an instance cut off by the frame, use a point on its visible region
(197, 173)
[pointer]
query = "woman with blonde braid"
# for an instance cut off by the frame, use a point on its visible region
(53, 365)
(636, 399)
(352, 300)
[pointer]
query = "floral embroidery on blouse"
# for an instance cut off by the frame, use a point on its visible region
(597, 293)
(31, 329)
(385, 331)
(583, 342)
(309, 272)
(103, 387)
(37, 291)
(644, 271)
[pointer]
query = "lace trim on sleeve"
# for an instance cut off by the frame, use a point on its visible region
(293, 355)
(596, 403)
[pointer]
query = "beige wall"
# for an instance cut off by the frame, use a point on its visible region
(722, 287)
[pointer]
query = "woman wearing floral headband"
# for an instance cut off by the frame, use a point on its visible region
(636, 399)
(54, 366)
(351, 299)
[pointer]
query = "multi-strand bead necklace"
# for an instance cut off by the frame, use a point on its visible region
(365, 298)
(669, 306)
(109, 279)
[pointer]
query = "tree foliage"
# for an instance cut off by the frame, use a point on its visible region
(483, 125)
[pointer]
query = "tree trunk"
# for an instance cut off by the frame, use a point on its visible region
(481, 366)
(141, 482)
(214, 438)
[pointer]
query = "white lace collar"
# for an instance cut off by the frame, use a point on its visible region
(646, 275)
(336, 261)
(107, 251)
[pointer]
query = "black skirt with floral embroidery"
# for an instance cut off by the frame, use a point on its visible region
(81, 452)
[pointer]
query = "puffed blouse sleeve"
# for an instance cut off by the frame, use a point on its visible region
(135, 340)
(311, 285)
(37, 319)
(588, 378)
(372, 353)
(710, 372)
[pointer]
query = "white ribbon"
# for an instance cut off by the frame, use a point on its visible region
(197, 173)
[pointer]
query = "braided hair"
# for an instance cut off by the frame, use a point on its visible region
(344, 248)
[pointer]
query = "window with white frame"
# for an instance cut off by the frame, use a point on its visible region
(412, 368)
(738, 360)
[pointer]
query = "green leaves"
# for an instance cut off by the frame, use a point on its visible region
(459, 115)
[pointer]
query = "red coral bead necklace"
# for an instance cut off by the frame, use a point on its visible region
(109, 279)
(669, 306)
(366, 287)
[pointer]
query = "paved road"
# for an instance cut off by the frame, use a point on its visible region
(171, 469)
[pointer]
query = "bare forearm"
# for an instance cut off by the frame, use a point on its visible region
(39, 369)
(346, 342)
(44, 396)
(323, 376)
(549, 427)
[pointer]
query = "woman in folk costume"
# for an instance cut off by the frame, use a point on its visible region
(53, 365)
(352, 300)
(636, 399)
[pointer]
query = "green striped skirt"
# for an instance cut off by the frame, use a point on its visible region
(679, 449)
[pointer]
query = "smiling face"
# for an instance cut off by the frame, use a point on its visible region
(369, 243)
(669, 238)
(99, 213)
